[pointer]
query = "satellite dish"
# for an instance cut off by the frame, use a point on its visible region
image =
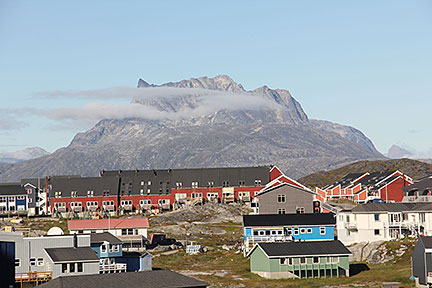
(55, 231)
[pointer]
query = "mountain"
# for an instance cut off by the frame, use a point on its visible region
(206, 122)
(26, 154)
(413, 168)
(396, 152)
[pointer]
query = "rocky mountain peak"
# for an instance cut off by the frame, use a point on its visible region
(396, 152)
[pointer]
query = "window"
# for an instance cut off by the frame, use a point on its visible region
(315, 260)
(302, 260)
(40, 262)
(179, 185)
(106, 193)
(281, 198)
(17, 262)
(80, 267)
(90, 193)
(273, 232)
(194, 184)
(255, 233)
(257, 182)
(149, 183)
(64, 268)
(377, 232)
(300, 210)
(303, 230)
(210, 184)
(124, 232)
(32, 261)
(242, 183)
(376, 217)
(58, 194)
(290, 261)
(196, 195)
(148, 190)
(225, 184)
(267, 233)
(322, 230)
(281, 211)
(282, 261)
(29, 191)
(332, 260)
(74, 194)
(309, 230)
(30, 200)
(71, 267)
(296, 231)
(103, 248)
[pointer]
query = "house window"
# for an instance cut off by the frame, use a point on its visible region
(74, 194)
(124, 231)
(32, 261)
(322, 230)
(141, 191)
(64, 268)
(315, 260)
(290, 261)
(281, 211)
(257, 182)
(282, 261)
(106, 193)
(242, 183)
(302, 260)
(149, 183)
(148, 190)
(179, 185)
(300, 210)
(377, 232)
(376, 217)
(58, 194)
(332, 260)
(103, 248)
(17, 262)
(267, 233)
(210, 184)
(296, 231)
(30, 200)
(80, 267)
(303, 230)
(90, 193)
(281, 198)
(255, 233)
(309, 230)
(40, 262)
(225, 184)
(194, 184)
(71, 267)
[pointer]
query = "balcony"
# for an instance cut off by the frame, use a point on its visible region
(268, 238)
(33, 277)
(351, 225)
(417, 199)
(112, 268)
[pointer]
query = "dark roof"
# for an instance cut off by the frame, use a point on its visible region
(72, 254)
(345, 181)
(105, 236)
(427, 241)
(374, 177)
(422, 185)
(163, 180)
(12, 189)
(392, 207)
(135, 254)
(289, 219)
(82, 185)
(305, 248)
(143, 279)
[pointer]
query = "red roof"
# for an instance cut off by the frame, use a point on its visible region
(104, 223)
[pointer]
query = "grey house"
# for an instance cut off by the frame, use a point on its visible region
(286, 199)
(422, 262)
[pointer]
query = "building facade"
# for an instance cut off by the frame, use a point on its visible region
(422, 262)
(313, 259)
(384, 222)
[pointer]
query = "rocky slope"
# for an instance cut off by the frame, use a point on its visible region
(25, 154)
(219, 125)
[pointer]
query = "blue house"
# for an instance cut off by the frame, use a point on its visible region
(136, 261)
(13, 198)
(287, 227)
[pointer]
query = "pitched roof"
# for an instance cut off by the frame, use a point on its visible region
(289, 219)
(11, 189)
(271, 188)
(427, 241)
(304, 248)
(392, 207)
(422, 185)
(79, 254)
(143, 279)
(346, 180)
(81, 185)
(105, 236)
(108, 223)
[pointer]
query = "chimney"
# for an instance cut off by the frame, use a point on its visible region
(75, 241)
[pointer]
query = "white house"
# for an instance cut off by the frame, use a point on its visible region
(384, 221)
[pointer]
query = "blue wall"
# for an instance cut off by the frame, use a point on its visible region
(107, 254)
(314, 235)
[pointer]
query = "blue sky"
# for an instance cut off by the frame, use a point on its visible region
(367, 64)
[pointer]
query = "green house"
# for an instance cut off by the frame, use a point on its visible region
(312, 259)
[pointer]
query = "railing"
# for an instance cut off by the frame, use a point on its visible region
(417, 199)
(269, 238)
(112, 268)
(33, 277)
